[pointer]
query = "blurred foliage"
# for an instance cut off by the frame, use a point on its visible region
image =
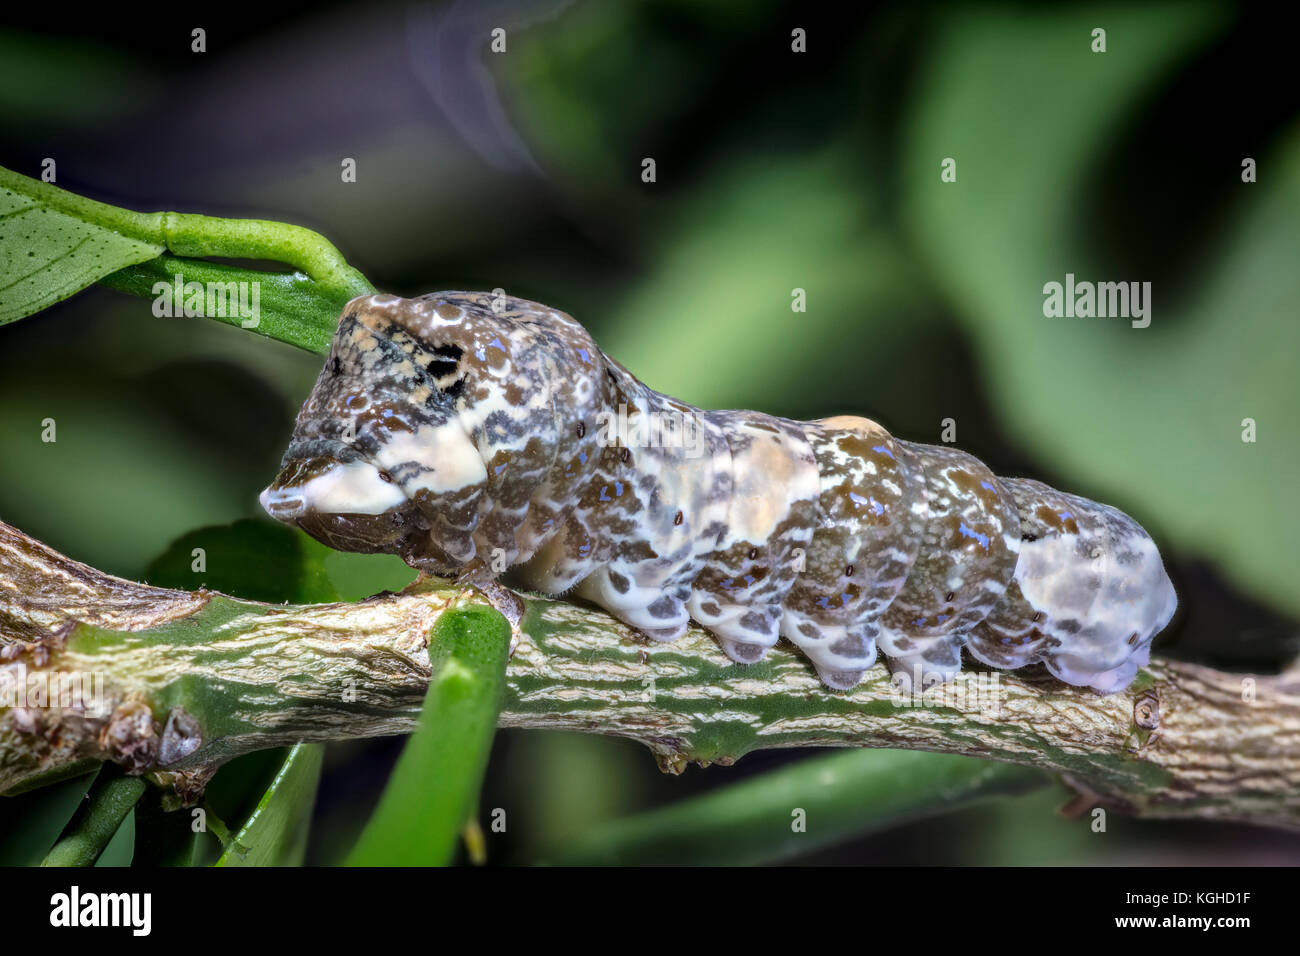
(258, 560)
(275, 833)
(164, 836)
(32, 821)
(774, 172)
(805, 806)
(1154, 413)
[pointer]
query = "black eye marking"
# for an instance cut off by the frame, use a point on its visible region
(753, 554)
(949, 596)
(678, 519)
(627, 454)
(441, 368)
(336, 365)
(385, 476)
(582, 429)
(848, 572)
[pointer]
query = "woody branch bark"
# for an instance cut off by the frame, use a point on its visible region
(189, 680)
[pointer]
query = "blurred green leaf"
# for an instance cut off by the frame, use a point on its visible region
(266, 561)
(107, 438)
(163, 838)
(841, 795)
(275, 834)
(431, 793)
(1031, 831)
(146, 412)
(32, 821)
(39, 93)
(557, 783)
(1147, 418)
(257, 560)
(695, 332)
(359, 576)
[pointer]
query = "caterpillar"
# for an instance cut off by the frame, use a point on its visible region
(471, 434)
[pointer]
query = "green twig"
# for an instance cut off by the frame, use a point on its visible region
(111, 798)
(434, 787)
(189, 234)
(72, 242)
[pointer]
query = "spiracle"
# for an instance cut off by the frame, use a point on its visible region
(464, 431)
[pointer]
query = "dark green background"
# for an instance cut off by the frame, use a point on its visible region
(775, 171)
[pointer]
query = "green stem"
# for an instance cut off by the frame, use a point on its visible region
(799, 808)
(435, 785)
(155, 254)
(190, 234)
(110, 800)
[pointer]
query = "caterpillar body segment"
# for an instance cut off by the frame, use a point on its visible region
(461, 430)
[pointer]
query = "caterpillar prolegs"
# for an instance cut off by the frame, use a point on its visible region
(467, 432)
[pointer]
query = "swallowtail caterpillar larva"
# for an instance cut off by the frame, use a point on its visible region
(469, 439)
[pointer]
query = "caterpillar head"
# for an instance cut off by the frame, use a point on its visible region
(431, 426)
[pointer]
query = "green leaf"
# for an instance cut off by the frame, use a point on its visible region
(232, 797)
(56, 243)
(431, 794)
(48, 254)
(32, 821)
(291, 307)
(266, 561)
(837, 797)
(257, 560)
(359, 576)
(275, 834)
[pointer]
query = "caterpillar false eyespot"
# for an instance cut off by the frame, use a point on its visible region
(463, 431)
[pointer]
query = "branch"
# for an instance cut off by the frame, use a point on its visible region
(189, 680)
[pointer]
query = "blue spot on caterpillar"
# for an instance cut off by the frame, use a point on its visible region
(753, 526)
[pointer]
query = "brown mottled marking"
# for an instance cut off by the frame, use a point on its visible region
(1052, 519)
